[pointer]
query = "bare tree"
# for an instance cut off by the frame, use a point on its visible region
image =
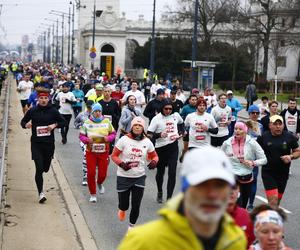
(211, 13)
(267, 17)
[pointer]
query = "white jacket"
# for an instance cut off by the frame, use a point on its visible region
(252, 152)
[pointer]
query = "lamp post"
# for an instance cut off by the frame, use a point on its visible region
(48, 51)
(57, 39)
(194, 46)
(61, 13)
(62, 34)
(94, 31)
(152, 51)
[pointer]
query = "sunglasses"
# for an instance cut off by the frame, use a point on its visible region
(168, 108)
(255, 113)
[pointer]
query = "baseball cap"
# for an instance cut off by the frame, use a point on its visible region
(99, 87)
(275, 118)
(203, 164)
(229, 92)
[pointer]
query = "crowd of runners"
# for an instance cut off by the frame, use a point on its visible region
(139, 125)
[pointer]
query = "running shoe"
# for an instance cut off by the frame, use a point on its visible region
(101, 188)
(42, 198)
(64, 140)
(159, 197)
(84, 181)
(250, 208)
(93, 198)
(121, 215)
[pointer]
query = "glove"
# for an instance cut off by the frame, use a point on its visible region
(152, 164)
(232, 109)
(124, 166)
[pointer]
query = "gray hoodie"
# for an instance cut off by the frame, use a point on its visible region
(126, 117)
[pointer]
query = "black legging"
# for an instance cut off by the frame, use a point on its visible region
(136, 198)
(245, 191)
(168, 156)
(65, 129)
(42, 154)
(77, 110)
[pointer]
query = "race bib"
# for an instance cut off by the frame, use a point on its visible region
(42, 131)
(200, 137)
(222, 124)
(63, 100)
(291, 122)
(147, 87)
(109, 117)
(233, 118)
(98, 148)
(133, 164)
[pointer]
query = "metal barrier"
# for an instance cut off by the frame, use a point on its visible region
(4, 137)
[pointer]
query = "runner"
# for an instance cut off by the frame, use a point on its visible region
(163, 128)
(222, 114)
(177, 104)
(263, 107)
(140, 98)
(236, 107)
(24, 88)
(268, 228)
(280, 147)
(79, 95)
(97, 132)
(128, 113)
(98, 95)
(154, 106)
(42, 120)
(240, 215)
(291, 118)
(196, 218)
(78, 122)
(273, 106)
(66, 99)
(190, 107)
(133, 153)
(245, 154)
(199, 125)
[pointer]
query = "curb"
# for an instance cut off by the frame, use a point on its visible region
(84, 234)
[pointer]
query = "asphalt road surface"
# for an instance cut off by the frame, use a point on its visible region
(102, 219)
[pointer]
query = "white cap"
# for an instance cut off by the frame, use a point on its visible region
(229, 92)
(206, 163)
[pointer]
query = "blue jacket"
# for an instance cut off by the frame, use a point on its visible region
(187, 109)
(234, 103)
(78, 95)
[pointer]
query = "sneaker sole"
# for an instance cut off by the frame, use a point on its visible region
(42, 200)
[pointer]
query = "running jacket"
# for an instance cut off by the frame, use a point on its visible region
(252, 151)
(41, 117)
(173, 231)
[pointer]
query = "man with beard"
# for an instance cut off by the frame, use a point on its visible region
(42, 120)
(196, 218)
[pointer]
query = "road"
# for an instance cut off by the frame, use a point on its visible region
(102, 217)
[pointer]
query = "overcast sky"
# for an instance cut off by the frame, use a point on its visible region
(21, 17)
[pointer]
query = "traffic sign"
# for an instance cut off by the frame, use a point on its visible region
(93, 49)
(93, 54)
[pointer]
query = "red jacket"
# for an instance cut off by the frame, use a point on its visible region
(242, 219)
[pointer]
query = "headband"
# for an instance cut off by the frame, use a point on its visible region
(268, 216)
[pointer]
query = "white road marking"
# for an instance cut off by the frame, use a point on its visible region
(266, 201)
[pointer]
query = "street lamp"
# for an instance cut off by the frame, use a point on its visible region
(69, 23)
(94, 31)
(56, 50)
(194, 45)
(152, 51)
(48, 41)
(62, 36)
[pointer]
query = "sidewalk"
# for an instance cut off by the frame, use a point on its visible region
(28, 224)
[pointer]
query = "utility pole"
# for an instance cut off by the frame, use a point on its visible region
(49, 46)
(152, 51)
(94, 31)
(69, 37)
(53, 45)
(194, 46)
(73, 34)
(56, 59)
(44, 47)
(62, 40)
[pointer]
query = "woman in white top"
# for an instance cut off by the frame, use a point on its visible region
(133, 153)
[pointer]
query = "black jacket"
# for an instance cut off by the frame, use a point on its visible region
(152, 109)
(42, 116)
(111, 108)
